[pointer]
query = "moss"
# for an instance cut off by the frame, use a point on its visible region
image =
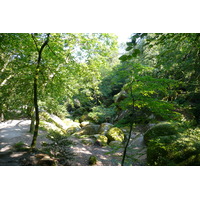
(115, 134)
(180, 149)
(72, 130)
(102, 139)
(161, 129)
(20, 146)
(92, 160)
(87, 141)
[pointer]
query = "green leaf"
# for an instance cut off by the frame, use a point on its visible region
(129, 44)
(123, 58)
(129, 48)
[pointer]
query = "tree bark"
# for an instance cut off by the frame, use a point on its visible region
(32, 121)
(35, 90)
(131, 126)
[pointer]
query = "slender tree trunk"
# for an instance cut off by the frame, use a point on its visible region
(32, 120)
(35, 91)
(131, 126)
(2, 117)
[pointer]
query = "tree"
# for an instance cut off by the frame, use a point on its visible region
(67, 64)
(35, 86)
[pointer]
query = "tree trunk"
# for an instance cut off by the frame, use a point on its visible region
(131, 125)
(2, 117)
(35, 92)
(32, 121)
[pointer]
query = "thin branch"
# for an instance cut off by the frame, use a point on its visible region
(51, 50)
(32, 34)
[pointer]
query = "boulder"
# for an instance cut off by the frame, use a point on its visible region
(104, 128)
(73, 129)
(40, 160)
(115, 134)
(90, 129)
(88, 141)
(45, 116)
(83, 124)
(102, 140)
(161, 129)
(138, 141)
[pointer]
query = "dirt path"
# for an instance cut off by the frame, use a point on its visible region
(11, 132)
(14, 131)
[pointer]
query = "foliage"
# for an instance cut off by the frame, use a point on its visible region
(173, 56)
(161, 129)
(59, 148)
(92, 160)
(20, 146)
(102, 114)
(175, 150)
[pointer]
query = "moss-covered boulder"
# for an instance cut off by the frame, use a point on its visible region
(102, 140)
(115, 134)
(90, 129)
(72, 129)
(92, 160)
(161, 129)
(88, 141)
(104, 128)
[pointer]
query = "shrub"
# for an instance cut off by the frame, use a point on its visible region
(92, 160)
(59, 148)
(161, 129)
(101, 114)
(20, 146)
(182, 149)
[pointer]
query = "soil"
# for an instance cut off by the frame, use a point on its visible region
(15, 131)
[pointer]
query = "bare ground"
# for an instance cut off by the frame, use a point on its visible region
(14, 131)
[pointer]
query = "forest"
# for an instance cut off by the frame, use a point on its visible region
(71, 99)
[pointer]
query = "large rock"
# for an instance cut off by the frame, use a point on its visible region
(138, 141)
(40, 160)
(54, 122)
(88, 141)
(73, 129)
(90, 129)
(161, 129)
(120, 96)
(115, 134)
(102, 140)
(83, 124)
(53, 119)
(104, 128)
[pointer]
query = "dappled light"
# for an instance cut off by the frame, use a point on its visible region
(74, 99)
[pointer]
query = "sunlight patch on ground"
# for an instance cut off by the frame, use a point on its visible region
(15, 155)
(6, 148)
